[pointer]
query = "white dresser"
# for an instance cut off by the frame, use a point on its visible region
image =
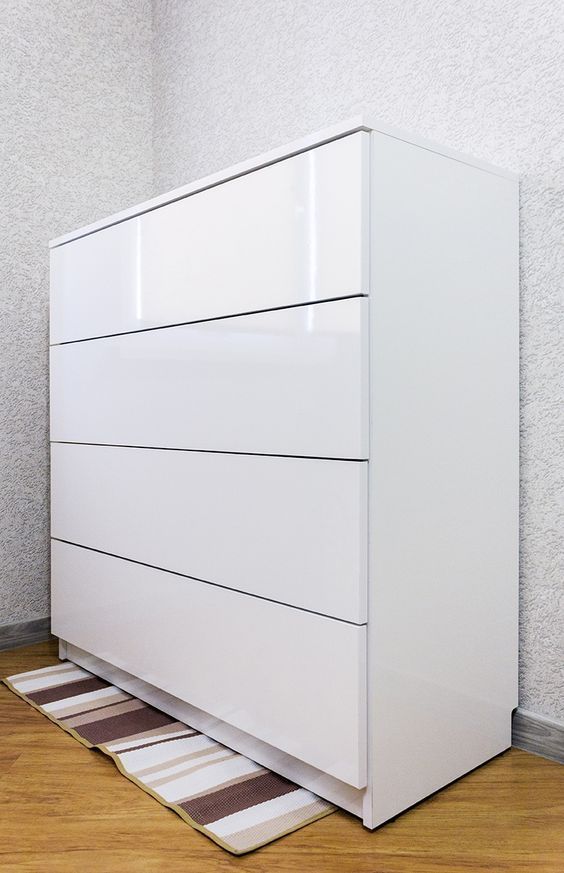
(284, 424)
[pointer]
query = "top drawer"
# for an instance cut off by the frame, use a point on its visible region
(289, 233)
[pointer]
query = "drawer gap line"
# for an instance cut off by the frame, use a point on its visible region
(88, 339)
(209, 451)
(207, 582)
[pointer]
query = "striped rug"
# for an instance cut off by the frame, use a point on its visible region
(233, 801)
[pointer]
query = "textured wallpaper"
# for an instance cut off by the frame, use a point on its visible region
(75, 144)
(81, 86)
(232, 79)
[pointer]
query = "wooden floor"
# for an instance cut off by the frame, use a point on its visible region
(66, 808)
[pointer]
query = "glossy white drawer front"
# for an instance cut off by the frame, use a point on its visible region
(289, 529)
(289, 233)
(291, 678)
(289, 382)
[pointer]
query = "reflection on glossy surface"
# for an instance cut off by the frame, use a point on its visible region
(288, 382)
(312, 234)
(138, 274)
(289, 233)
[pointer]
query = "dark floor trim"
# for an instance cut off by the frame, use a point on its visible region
(24, 633)
(539, 735)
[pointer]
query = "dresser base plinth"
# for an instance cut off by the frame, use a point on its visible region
(331, 789)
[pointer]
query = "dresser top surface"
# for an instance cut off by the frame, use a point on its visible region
(336, 131)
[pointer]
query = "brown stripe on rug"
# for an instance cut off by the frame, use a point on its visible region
(118, 727)
(143, 738)
(70, 689)
(234, 798)
(229, 798)
(101, 713)
(189, 733)
(234, 781)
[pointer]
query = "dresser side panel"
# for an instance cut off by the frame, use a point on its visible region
(443, 471)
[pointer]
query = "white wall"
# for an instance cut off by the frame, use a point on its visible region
(75, 144)
(232, 79)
